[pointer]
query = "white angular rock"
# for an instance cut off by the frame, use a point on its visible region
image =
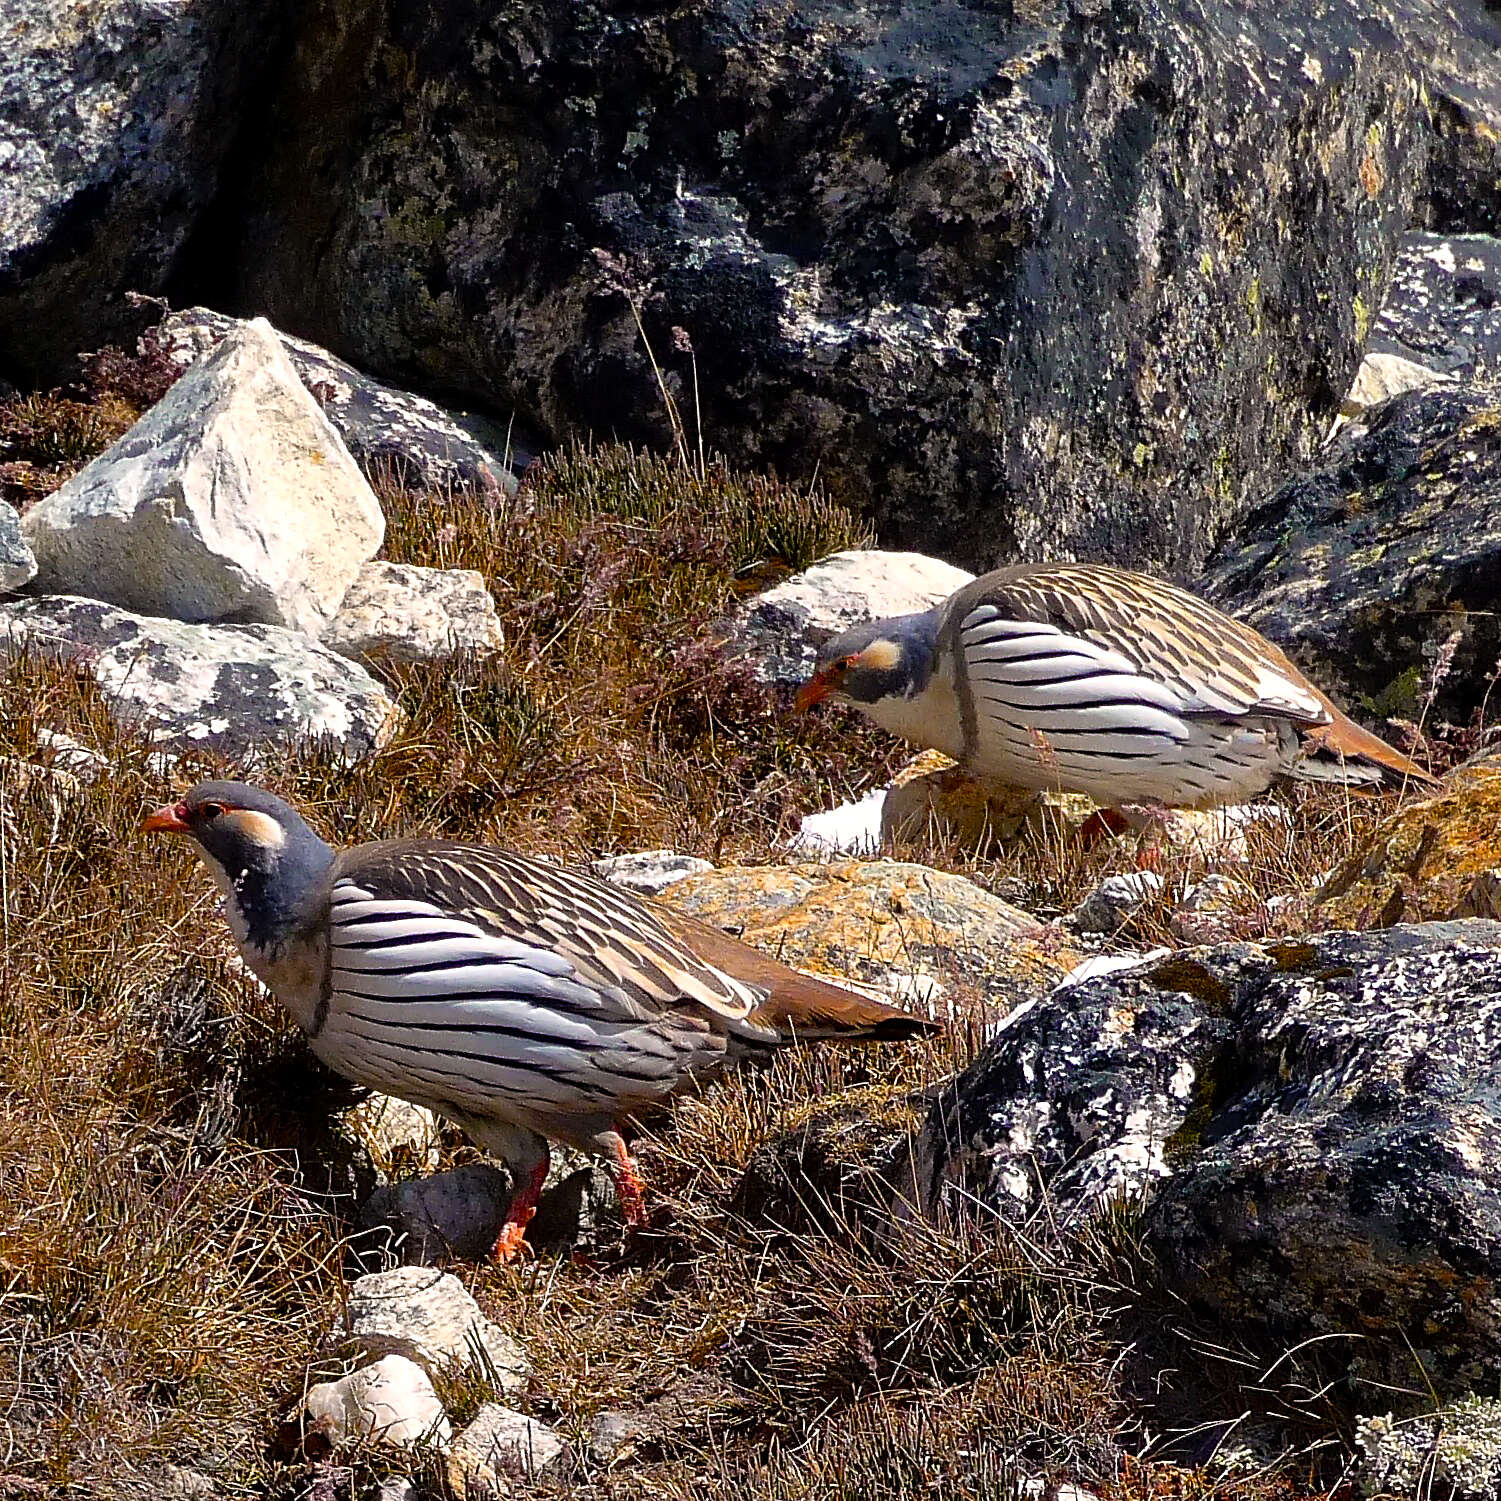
(17, 562)
(419, 443)
(649, 871)
(781, 630)
(427, 1316)
(231, 499)
(391, 1401)
(401, 613)
(502, 1446)
(244, 690)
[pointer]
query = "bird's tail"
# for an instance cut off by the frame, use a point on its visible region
(799, 1007)
(1341, 751)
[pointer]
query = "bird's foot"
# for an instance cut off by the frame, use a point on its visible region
(630, 1191)
(511, 1244)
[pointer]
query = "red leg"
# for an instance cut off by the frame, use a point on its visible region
(511, 1242)
(629, 1189)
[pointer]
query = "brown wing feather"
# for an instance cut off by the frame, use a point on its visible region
(1166, 632)
(611, 937)
(1343, 739)
(796, 1004)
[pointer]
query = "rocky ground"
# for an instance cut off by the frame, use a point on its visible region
(1186, 1200)
(1198, 1193)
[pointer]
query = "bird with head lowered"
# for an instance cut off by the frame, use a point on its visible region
(1085, 678)
(524, 1001)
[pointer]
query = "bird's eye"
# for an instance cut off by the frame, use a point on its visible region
(847, 663)
(208, 812)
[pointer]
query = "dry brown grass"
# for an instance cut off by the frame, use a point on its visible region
(173, 1208)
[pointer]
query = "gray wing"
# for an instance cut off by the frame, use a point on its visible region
(466, 974)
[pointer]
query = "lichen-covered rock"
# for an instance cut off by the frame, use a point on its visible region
(398, 612)
(906, 928)
(1443, 305)
(782, 628)
(245, 691)
(415, 441)
(1364, 566)
(1338, 1174)
(1310, 1125)
(1440, 321)
(116, 119)
(1437, 858)
(1075, 1099)
(1043, 282)
(428, 1316)
(1455, 1453)
(391, 1402)
(232, 499)
(17, 561)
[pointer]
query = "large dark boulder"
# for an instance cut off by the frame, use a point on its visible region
(1020, 283)
(1364, 566)
(117, 119)
(1311, 1125)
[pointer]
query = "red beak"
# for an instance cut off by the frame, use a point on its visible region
(814, 691)
(171, 818)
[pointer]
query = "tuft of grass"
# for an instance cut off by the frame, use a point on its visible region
(46, 437)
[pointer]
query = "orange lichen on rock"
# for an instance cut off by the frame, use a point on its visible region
(1436, 859)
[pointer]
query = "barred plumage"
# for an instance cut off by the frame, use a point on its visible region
(524, 1001)
(1097, 680)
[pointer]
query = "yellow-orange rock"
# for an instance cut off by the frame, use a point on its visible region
(932, 797)
(906, 928)
(1435, 859)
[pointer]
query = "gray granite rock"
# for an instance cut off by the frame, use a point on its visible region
(502, 1448)
(116, 120)
(232, 499)
(246, 691)
(781, 629)
(388, 430)
(17, 561)
(1363, 566)
(397, 612)
(429, 1317)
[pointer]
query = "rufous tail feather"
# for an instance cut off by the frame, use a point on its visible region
(796, 1004)
(1344, 738)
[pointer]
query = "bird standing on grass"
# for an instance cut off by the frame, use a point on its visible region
(523, 1001)
(1092, 679)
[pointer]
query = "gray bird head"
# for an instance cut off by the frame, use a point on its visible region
(879, 659)
(262, 852)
